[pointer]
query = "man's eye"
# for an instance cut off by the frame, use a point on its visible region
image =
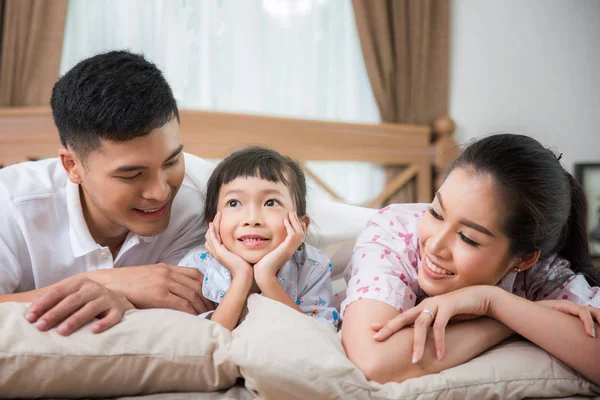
(130, 178)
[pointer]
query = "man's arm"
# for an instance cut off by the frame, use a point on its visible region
(71, 303)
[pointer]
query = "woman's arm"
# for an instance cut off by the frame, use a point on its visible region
(391, 360)
(558, 333)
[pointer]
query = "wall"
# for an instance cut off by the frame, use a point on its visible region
(531, 67)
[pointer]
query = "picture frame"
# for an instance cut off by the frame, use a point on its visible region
(588, 175)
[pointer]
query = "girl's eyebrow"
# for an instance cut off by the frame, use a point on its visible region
(265, 192)
(466, 222)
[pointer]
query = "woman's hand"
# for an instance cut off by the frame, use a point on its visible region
(585, 313)
(276, 259)
(235, 264)
(473, 300)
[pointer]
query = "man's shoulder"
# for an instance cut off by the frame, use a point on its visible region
(32, 180)
(197, 172)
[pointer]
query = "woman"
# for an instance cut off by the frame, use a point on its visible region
(502, 250)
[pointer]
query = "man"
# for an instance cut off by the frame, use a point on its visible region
(96, 231)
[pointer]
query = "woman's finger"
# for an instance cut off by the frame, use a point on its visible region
(439, 332)
(376, 326)
(422, 324)
(391, 327)
(582, 312)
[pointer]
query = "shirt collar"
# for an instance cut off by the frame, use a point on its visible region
(82, 241)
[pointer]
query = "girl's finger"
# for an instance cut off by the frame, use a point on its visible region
(295, 221)
(288, 228)
(217, 226)
(421, 329)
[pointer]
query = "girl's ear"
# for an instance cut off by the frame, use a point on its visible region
(306, 220)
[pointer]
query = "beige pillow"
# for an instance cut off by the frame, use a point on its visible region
(149, 351)
(284, 354)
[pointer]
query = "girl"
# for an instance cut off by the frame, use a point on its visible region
(505, 238)
(256, 209)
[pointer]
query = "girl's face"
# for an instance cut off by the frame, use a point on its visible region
(252, 217)
(460, 238)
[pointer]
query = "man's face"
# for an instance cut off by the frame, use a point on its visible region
(129, 186)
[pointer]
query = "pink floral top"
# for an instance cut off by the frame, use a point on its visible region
(386, 260)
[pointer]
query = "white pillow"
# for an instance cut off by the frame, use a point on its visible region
(284, 354)
(149, 351)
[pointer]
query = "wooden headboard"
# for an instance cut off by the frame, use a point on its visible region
(424, 152)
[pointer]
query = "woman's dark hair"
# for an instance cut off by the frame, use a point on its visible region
(546, 206)
(115, 95)
(257, 162)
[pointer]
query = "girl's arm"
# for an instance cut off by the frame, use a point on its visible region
(230, 309)
(391, 360)
(272, 289)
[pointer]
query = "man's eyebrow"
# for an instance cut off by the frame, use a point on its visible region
(130, 168)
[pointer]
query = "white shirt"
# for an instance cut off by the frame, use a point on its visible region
(306, 278)
(44, 237)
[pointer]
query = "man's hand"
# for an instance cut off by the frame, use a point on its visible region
(157, 286)
(74, 302)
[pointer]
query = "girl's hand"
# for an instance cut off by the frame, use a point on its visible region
(235, 264)
(270, 264)
(473, 300)
(585, 313)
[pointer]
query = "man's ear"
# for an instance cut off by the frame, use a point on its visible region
(71, 164)
(527, 261)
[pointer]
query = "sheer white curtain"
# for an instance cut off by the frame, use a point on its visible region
(297, 58)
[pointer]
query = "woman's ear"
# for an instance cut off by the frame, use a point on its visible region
(527, 261)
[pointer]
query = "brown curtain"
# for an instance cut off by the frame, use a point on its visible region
(405, 44)
(31, 40)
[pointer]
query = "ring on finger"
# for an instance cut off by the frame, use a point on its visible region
(428, 312)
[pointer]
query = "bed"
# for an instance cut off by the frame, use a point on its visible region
(276, 353)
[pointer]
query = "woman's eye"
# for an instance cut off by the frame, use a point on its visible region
(272, 203)
(435, 214)
(467, 240)
(233, 203)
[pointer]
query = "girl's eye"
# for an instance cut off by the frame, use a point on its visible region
(233, 203)
(435, 214)
(272, 203)
(130, 178)
(467, 240)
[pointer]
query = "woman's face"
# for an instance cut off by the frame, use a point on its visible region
(460, 236)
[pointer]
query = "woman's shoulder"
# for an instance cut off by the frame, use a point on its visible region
(396, 220)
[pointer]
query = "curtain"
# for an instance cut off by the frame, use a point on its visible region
(294, 58)
(405, 45)
(31, 40)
